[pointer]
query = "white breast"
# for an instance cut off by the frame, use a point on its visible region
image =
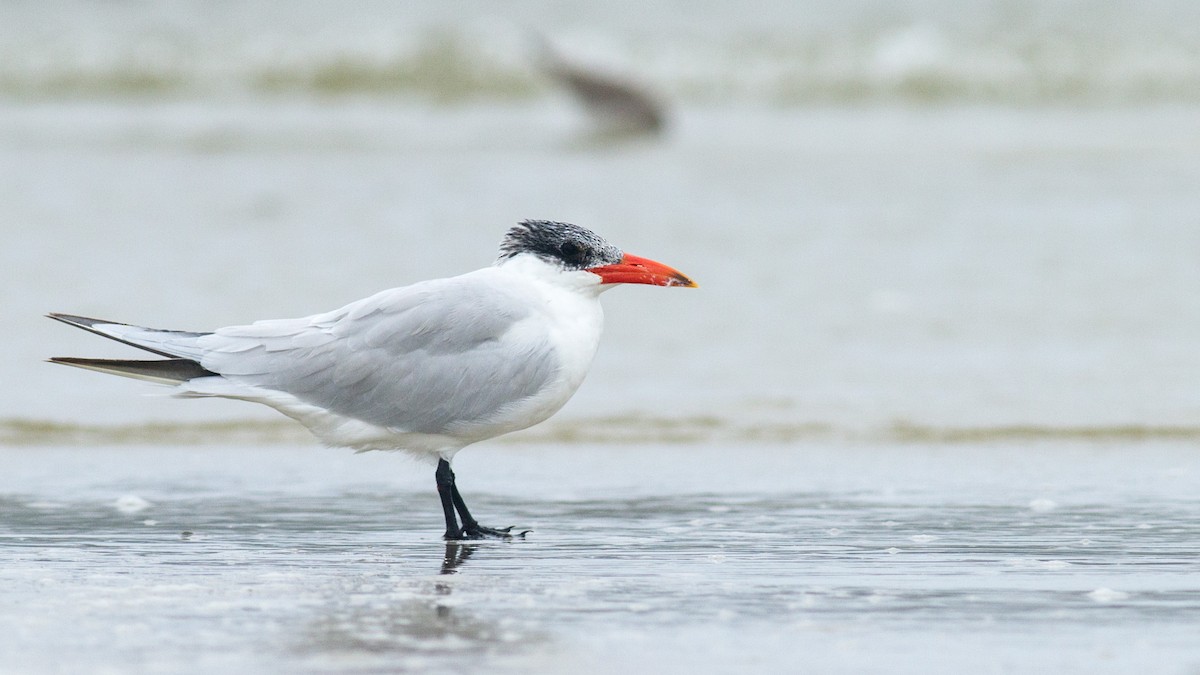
(568, 319)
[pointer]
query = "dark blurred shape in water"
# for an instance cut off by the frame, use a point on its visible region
(618, 106)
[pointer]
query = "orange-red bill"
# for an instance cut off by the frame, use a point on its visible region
(637, 270)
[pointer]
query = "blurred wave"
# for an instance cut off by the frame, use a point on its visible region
(791, 53)
(621, 430)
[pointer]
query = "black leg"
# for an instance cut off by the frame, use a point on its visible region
(471, 527)
(451, 500)
(445, 485)
(467, 520)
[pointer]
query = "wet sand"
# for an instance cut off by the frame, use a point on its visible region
(826, 556)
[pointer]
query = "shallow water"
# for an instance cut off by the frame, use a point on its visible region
(834, 557)
(960, 260)
(949, 267)
(934, 407)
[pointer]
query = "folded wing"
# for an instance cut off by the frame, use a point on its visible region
(429, 358)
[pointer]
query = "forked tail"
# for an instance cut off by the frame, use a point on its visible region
(179, 346)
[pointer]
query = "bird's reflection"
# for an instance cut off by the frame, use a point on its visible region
(416, 619)
(457, 553)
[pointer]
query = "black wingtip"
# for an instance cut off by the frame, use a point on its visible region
(163, 371)
(76, 320)
(68, 360)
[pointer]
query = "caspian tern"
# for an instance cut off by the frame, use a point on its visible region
(428, 368)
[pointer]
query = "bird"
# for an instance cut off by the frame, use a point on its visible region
(428, 368)
(619, 106)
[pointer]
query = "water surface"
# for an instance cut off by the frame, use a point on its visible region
(934, 407)
(828, 557)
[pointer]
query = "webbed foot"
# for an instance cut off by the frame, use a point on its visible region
(477, 531)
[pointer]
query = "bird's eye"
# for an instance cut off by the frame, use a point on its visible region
(569, 249)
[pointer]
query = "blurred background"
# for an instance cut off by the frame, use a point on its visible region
(925, 213)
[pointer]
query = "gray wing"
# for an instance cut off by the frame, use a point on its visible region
(429, 358)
